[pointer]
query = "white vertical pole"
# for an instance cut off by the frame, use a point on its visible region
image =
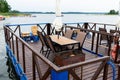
(118, 23)
(58, 9)
(119, 9)
(57, 23)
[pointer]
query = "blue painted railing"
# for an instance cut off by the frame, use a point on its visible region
(38, 23)
(14, 65)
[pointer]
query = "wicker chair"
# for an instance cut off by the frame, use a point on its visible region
(50, 44)
(68, 33)
(53, 46)
(45, 48)
(67, 57)
(81, 38)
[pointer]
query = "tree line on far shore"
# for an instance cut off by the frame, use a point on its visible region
(6, 8)
(113, 12)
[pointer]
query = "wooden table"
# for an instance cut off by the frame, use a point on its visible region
(63, 40)
(68, 57)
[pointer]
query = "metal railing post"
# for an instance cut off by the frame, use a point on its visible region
(33, 66)
(48, 28)
(23, 53)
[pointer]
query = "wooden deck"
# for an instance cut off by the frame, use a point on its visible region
(87, 72)
(28, 53)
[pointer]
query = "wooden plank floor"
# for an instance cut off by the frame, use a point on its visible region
(88, 70)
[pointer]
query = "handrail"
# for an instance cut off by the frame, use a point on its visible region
(49, 62)
(52, 65)
(24, 24)
(90, 30)
(39, 55)
(101, 23)
(109, 62)
(63, 23)
(83, 63)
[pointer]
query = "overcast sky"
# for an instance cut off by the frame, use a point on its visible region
(66, 5)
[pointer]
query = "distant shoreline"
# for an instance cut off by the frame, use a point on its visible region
(66, 12)
(94, 13)
(30, 13)
(14, 14)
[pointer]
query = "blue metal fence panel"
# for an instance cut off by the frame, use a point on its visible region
(16, 65)
(59, 75)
